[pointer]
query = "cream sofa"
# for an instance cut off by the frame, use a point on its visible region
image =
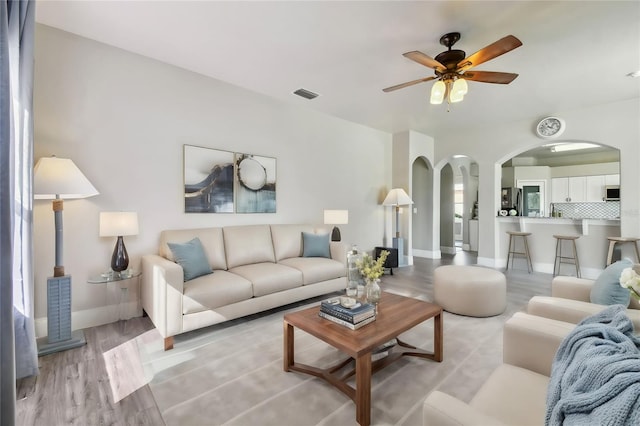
(515, 393)
(256, 267)
(570, 302)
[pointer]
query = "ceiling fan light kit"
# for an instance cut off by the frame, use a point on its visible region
(451, 68)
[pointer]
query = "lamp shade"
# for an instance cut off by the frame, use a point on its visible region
(336, 217)
(397, 197)
(459, 89)
(117, 224)
(59, 177)
(437, 92)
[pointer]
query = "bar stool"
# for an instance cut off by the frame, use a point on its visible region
(512, 243)
(614, 240)
(565, 259)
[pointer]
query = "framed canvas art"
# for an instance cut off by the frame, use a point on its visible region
(255, 184)
(208, 180)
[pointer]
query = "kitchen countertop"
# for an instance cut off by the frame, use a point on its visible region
(525, 222)
(557, 220)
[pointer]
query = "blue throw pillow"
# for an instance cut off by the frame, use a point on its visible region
(315, 245)
(192, 258)
(607, 290)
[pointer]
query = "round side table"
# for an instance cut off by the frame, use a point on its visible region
(124, 280)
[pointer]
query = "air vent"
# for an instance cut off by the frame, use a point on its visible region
(306, 93)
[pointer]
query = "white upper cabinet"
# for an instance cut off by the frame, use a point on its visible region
(578, 189)
(595, 188)
(612, 179)
(569, 190)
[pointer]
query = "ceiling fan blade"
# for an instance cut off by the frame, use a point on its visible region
(500, 47)
(490, 77)
(407, 84)
(425, 60)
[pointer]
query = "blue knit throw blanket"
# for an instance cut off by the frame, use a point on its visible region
(595, 376)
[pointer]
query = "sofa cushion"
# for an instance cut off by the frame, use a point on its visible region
(513, 395)
(246, 245)
(213, 291)
(269, 277)
(315, 245)
(607, 290)
(211, 239)
(192, 258)
(316, 269)
(287, 240)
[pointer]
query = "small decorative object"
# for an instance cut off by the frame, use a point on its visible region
(550, 127)
(348, 302)
(513, 212)
(372, 270)
(630, 279)
(503, 212)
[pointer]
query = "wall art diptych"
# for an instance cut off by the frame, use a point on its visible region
(217, 181)
(255, 184)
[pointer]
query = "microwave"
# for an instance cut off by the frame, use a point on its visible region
(612, 193)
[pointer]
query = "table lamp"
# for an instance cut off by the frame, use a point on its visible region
(398, 197)
(58, 179)
(336, 217)
(119, 224)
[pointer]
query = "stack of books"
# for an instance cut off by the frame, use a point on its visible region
(354, 317)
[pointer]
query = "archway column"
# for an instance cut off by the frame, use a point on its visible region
(489, 183)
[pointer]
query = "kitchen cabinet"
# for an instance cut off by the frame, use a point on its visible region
(595, 188)
(612, 179)
(569, 189)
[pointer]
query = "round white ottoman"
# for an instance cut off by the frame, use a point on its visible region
(470, 290)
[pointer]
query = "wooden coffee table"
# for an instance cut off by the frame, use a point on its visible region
(396, 314)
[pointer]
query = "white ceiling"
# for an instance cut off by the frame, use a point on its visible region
(574, 53)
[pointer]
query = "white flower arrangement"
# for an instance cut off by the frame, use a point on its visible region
(630, 280)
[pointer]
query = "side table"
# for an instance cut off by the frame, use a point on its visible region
(124, 280)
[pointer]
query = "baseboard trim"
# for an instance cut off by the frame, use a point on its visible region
(447, 250)
(92, 317)
(427, 254)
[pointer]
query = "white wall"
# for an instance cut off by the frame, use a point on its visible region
(123, 119)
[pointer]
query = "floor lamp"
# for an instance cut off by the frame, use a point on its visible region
(398, 197)
(58, 179)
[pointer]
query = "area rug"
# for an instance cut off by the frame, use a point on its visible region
(232, 374)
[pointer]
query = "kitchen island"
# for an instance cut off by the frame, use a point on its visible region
(592, 245)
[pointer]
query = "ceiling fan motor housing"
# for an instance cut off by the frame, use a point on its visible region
(451, 58)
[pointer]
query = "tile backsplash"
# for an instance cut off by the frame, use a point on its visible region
(606, 210)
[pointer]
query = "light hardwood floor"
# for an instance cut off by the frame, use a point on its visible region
(73, 386)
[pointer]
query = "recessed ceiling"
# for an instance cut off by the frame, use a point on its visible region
(574, 54)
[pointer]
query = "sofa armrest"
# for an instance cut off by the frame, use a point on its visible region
(572, 288)
(572, 311)
(339, 251)
(440, 409)
(162, 290)
(531, 342)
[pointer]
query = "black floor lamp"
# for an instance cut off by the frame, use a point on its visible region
(58, 179)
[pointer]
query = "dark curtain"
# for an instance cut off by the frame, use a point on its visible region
(18, 350)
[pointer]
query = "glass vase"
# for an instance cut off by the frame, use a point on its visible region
(373, 292)
(353, 274)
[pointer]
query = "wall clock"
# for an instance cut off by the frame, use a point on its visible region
(550, 127)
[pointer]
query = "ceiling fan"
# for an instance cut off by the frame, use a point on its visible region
(452, 68)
